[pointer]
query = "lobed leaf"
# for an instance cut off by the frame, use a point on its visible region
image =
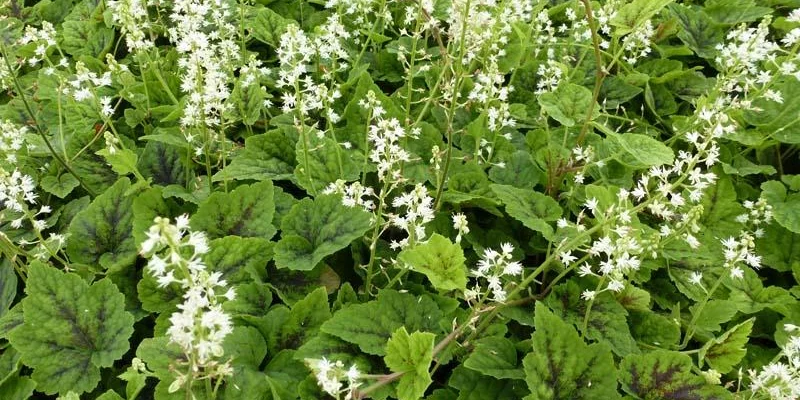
(315, 229)
(410, 355)
(665, 375)
(370, 325)
(441, 260)
(246, 211)
(562, 366)
(102, 233)
(533, 209)
(70, 329)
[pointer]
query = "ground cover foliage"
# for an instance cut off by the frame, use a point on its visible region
(399, 199)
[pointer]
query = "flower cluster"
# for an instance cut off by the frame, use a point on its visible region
(618, 248)
(739, 250)
(353, 194)
(780, 380)
(17, 195)
(205, 39)
(330, 376)
(200, 325)
(461, 225)
(637, 43)
(418, 207)
(385, 136)
(494, 267)
(42, 38)
(85, 84)
(132, 17)
(296, 50)
(12, 139)
(742, 56)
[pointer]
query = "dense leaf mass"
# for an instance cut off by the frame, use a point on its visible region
(391, 199)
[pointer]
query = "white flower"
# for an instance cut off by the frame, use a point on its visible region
(567, 258)
(591, 204)
(460, 225)
(200, 326)
(696, 278)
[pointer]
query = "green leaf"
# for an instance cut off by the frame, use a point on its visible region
(732, 12)
(102, 233)
(654, 329)
(634, 299)
(410, 355)
(246, 211)
(533, 209)
(562, 366)
(750, 296)
(519, 171)
(162, 163)
(659, 99)
(269, 156)
(86, 38)
(698, 31)
(779, 248)
(665, 375)
(495, 356)
(239, 259)
(245, 346)
(17, 388)
(326, 162)
(617, 91)
(741, 166)
(284, 375)
(9, 363)
(71, 329)
(59, 186)
(122, 161)
(11, 320)
(292, 286)
(136, 381)
(441, 260)
(474, 386)
(644, 149)
(91, 167)
(315, 229)
(333, 348)
(148, 205)
(607, 322)
(725, 352)
(268, 26)
(250, 98)
(305, 318)
(779, 120)
(8, 286)
(634, 14)
(715, 313)
(248, 383)
(252, 300)
(160, 356)
(371, 324)
(568, 104)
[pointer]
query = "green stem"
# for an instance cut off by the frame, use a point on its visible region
(589, 305)
(451, 114)
(376, 233)
(39, 129)
(691, 329)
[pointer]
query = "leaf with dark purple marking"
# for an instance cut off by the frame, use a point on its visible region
(246, 211)
(562, 366)
(103, 232)
(665, 375)
(70, 329)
